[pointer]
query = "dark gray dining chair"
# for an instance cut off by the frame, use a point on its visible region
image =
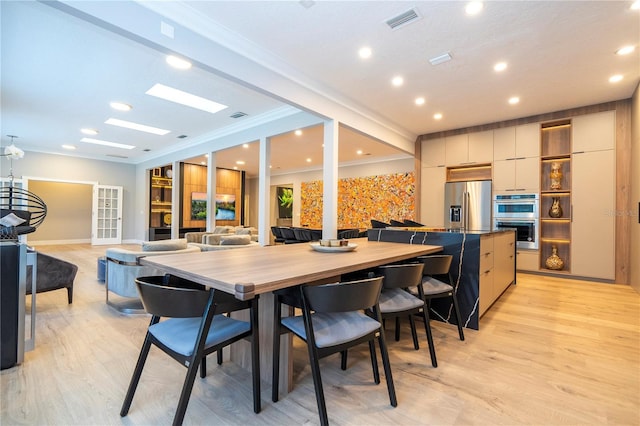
(187, 324)
(332, 321)
(397, 301)
(436, 268)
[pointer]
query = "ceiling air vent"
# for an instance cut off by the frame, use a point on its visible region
(403, 19)
(181, 137)
(237, 114)
(116, 156)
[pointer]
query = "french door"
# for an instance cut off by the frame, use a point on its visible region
(106, 227)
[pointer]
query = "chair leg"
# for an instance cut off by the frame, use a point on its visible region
(203, 367)
(343, 360)
(414, 334)
(387, 370)
(397, 329)
(427, 327)
(456, 310)
(275, 371)
(219, 356)
(317, 384)
(137, 372)
(255, 355)
(186, 391)
(70, 294)
(374, 362)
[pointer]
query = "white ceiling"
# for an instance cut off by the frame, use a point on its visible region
(59, 72)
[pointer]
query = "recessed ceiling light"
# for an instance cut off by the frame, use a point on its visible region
(90, 132)
(500, 66)
(359, 152)
(397, 81)
(298, 132)
(437, 116)
(615, 78)
(245, 145)
(473, 8)
(235, 167)
(308, 160)
(179, 63)
(183, 98)
(240, 163)
(204, 163)
(206, 155)
(420, 101)
(635, 5)
(107, 143)
(120, 106)
(69, 147)
(625, 50)
(365, 52)
(514, 100)
(136, 126)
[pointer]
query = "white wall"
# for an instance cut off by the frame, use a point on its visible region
(635, 190)
(37, 165)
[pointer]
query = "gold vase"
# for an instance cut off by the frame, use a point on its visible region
(556, 176)
(555, 211)
(554, 261)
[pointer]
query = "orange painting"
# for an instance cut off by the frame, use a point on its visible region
(361, 199)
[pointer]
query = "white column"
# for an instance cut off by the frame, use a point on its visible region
(211, 191)
(176, 184)
(264, 186)
(330, 181)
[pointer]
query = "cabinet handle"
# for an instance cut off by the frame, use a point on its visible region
(440, 165)
(520, 158)
(467, 163)
(487, 271)
(571, 213)
(577, 152)
(510, 159)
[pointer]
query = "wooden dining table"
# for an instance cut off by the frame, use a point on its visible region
(258, 271)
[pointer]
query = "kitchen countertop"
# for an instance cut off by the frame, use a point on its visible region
(445, 230)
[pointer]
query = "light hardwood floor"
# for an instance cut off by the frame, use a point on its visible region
(549, 352)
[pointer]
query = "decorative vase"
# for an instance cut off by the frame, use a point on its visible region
(554, 262)
(555, 211)
(556, 176)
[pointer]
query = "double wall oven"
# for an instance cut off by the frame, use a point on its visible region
(520, 212)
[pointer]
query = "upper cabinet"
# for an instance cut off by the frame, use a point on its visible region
(471, 148)
(594, 132)
(433, 153)
(510, 143)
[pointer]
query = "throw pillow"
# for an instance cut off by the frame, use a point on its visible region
(11, 220)
(243, 231)
(164, 245)
(235, 240)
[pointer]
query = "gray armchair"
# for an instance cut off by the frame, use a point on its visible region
(53, 274)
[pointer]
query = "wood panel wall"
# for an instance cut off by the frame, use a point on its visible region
(194, 179)
(623, 166)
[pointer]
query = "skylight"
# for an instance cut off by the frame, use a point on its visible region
(136, 126)
(183, 98)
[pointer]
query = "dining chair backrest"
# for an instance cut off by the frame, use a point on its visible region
(394, 222)
(345, 234)
(287, 233)
(402, 275)
(437, 264)
(408, 222)
(275, 230)
(343, 297)
(378, 224)
(302, 234)
(166, 298)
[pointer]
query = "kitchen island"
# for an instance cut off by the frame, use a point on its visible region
(483, 266)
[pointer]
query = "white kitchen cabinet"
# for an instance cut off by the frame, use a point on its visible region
(432, 182)
(481, 147)
(504, 143)
(517, 174)
(457, 149)
(527, 260)
(594, 132)
(516, 142)
(593, 214)
(433, 153)
(470, 148)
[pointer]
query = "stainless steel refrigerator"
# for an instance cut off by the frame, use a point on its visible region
(467, 205)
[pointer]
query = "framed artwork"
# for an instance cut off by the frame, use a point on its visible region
(225, 207)
(285, 202)
(157, 172)
(198, 206)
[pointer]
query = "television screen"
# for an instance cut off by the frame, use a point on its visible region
(225, 207)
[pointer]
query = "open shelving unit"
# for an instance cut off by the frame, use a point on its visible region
(555, 187)
(160, 202)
